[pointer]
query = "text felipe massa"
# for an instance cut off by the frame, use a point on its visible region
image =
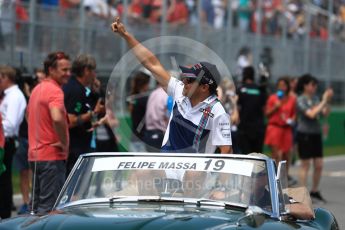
(153, 165)
(210, 164)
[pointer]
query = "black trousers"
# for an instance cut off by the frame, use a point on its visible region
(6, 191)
(251, 140)
(47, 181)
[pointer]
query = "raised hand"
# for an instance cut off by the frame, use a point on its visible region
(118, 27)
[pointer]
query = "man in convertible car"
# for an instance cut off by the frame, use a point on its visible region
(199, 123)
(197, 113)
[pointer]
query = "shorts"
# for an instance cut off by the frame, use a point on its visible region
(309, 145)
(50, 177)
(21, 156)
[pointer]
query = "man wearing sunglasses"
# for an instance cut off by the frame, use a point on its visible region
(199, 123)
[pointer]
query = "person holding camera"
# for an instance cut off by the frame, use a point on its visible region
(309, 134)
(79, 105)
(281, 113)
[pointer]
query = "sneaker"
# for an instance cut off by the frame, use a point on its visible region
(317, 195)
(23, 209)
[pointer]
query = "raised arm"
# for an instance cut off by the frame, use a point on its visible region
(326, 97)
(144, 55)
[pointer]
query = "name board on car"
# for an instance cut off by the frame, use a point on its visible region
(174, 163)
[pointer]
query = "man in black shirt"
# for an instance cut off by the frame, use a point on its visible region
(251, 102)
(80, 107)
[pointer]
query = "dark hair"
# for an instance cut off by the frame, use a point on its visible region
(81, 62)
(286, 80)
(10, 72)
(303, 81)
(139, 80)
(245, 50)
(248, 73)
(38, 70)
(213, 90)
(51, 60)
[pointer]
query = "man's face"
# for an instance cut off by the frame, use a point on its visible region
(311, 88)
(260, 183)
(90, 75)
(191, 87)
(4, 82)
(61, 72)
(282, 86)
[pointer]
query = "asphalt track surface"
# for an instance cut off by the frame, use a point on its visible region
(332, 187)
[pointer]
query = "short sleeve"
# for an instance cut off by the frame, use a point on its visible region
(175, 88)
(72, 102)
(221, 131)
(271, 101)
(302, 105)
(56, 99)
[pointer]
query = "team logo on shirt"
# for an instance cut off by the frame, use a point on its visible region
(206, 112)
(225, 129)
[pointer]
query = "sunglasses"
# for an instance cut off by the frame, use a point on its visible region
(60, 55)
(188, 80)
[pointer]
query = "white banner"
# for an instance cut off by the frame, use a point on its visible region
(238, 167)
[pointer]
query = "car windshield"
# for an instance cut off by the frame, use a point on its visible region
(242, 181)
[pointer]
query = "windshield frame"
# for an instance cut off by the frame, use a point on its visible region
(270, 165)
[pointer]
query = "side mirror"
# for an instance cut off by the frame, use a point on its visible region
(254, 217)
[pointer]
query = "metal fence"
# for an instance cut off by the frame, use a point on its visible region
(27, 42)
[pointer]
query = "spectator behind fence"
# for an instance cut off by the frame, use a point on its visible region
(48, 133)
(251, 102)
(12, 109)
(7, 17)
(207, 13)
(281, 113)
(156, 119)
(136, 10)
(177, 12)
(309, 137)
(80, 107)
(245, 9)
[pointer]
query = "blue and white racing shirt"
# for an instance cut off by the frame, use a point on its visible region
(185, 120)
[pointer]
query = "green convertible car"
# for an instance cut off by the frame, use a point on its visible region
(175, 191)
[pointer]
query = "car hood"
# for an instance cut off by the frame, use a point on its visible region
(102, 217)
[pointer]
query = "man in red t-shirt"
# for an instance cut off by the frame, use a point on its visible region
(48, 132)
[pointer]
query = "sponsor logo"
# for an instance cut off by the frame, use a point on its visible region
(206, 112)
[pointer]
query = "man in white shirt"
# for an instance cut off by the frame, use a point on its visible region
(199, 122)
(12, 110)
